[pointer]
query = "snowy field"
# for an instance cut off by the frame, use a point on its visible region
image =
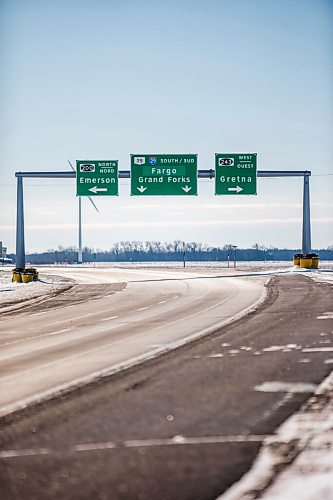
(51, 284)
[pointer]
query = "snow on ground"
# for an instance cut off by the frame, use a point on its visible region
(50, 284)
(12, 294)
(303, 448)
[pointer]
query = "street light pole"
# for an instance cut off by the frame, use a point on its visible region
(234, 248)
(184, 253)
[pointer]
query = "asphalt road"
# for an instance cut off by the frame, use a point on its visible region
(110, 319)
(182, 426)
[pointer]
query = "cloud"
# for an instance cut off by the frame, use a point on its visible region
(183, 223)
(224, 206)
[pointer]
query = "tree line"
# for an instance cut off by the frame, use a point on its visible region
(155, 251)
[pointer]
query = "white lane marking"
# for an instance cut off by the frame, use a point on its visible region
(143, 308)
(37, 337)
(208, 356)
(318, 349)
(136, 443)
(327, 315)
(110, 317)
(94, 446)
(161, 302)
(286, 348)
(25, 453)
(293, 387)
(328, 361)
(37, 314)
(182, 440)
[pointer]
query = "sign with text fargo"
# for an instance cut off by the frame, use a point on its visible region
(161, 174)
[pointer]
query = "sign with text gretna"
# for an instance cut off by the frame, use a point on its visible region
(156, 174)
(97, 178)
(235, 173)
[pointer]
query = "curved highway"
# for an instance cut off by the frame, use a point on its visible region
(55, 345)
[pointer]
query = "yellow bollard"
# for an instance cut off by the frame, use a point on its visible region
(297, 258)
(27, 277)
(309, 261)
(315, 261)
(16, 277)
(33, 271)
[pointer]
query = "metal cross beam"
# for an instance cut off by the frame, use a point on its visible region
(126, 174)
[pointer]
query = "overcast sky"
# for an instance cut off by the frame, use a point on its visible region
(101, 79)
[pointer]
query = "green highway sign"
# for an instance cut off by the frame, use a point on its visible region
(171, 175)
(236, 173)
(97, 177)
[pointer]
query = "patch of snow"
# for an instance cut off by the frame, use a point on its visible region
(276, 386)
(302, 447)
(322, 275)
(12, 293)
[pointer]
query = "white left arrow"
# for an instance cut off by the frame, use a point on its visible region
(186, 189)
(141, 189)
(238, 189)
(95, 189)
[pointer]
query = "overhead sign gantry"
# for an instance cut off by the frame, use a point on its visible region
(182, 180)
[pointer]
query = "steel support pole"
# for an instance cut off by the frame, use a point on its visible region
(79, 257)
(20, 248)
(306, 232)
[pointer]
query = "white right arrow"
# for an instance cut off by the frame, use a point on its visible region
(238, 189)
(141, 189)
(186, 189)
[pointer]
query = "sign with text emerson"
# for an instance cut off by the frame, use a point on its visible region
(236, 173)
(172, 175)
(97, 177)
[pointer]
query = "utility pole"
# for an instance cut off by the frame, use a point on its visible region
(79, 255)
(234, 248)
(184, 253)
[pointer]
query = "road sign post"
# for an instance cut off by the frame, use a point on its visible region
(235, 173)
(171, 175)
(97, 178)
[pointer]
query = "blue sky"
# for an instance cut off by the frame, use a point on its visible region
(103, 79)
